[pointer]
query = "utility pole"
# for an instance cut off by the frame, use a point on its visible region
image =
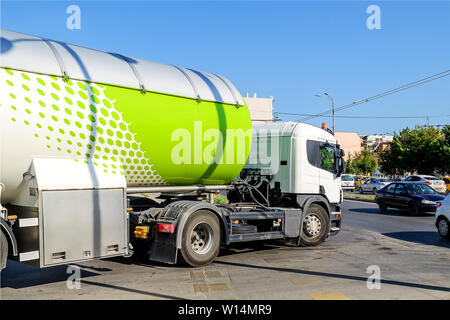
(328, 97)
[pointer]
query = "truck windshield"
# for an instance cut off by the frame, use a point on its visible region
(346, 178)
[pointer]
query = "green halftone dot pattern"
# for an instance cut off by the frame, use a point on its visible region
(80, 111)
(55, 85)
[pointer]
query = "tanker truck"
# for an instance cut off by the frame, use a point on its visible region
(105, 155)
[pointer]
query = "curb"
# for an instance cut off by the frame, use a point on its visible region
(362, 200)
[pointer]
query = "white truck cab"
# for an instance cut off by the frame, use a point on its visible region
(305, 160)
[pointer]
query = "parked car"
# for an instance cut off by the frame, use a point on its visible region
(414, 196)
(347, 182)
(447, 182)
(442, 218)
(436, 183)
(398, 179)
(373, 185)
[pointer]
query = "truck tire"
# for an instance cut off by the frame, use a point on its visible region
(200, 241)
(3, 250)
(315, 226)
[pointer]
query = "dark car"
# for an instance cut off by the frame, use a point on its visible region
(416, 197)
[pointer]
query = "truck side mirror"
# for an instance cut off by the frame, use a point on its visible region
(340, 163)
(340, 166)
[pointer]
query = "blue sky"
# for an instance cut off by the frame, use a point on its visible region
(290, 50)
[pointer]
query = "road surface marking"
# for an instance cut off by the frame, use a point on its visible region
(306, 281)
(210, 287)
(205, 274)
(328, 295)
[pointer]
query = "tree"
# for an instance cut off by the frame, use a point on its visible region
(425, 150)
(363, 162)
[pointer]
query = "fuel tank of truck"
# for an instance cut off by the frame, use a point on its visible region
(155, 123)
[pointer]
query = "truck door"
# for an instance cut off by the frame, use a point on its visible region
(327, 175)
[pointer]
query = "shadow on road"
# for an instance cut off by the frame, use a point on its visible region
(390, 212)
(420, 237)
(336, 275)
(18, 275)
(153, 294)
(247, 247)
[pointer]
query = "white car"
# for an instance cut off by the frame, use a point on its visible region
(442, 218)
(436, 183)
(347, 182)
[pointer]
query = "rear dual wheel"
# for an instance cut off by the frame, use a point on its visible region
(200, 242)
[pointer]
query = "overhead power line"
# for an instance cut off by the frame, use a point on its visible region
(360, 117)
(383, 94)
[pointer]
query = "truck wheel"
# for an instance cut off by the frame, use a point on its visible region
(200, 242)
(315, 226)
(443, 228)
(3, 250)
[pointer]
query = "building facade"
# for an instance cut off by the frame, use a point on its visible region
(377, 142)
(261, 109)
(350, 142)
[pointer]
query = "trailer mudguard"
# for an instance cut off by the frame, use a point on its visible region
(165, 246)
(7, 230)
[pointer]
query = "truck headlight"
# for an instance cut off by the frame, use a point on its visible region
(425, 201)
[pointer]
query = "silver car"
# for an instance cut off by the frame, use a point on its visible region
(373, 185)
(436, 183)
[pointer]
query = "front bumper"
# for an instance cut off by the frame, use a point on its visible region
(427, 207)
(335, 222)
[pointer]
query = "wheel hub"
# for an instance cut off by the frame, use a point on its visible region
(313, 226)
(201, 238)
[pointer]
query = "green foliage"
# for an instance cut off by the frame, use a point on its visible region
(423, 150)
(363, 163)
(220, 199)
(327, 158)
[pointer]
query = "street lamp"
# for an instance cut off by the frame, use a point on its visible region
(328, 97)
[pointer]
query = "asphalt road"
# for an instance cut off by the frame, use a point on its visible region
(394, 223)
(413, 261)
